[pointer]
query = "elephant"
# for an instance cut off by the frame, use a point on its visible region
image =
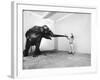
(34, 36)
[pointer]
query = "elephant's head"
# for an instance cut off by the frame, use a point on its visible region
(47, 33)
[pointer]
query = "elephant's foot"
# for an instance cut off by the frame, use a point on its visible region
(36, 53)
(25, 53)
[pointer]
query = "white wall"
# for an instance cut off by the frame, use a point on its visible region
(79, 25)
(31, 19)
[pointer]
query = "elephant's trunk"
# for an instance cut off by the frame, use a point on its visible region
(56, 35)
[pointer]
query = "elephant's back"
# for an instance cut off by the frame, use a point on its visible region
(34, 31)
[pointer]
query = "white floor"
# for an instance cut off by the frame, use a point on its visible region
(57, 59)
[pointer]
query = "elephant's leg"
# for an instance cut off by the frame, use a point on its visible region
(37, 50)
(27, 47)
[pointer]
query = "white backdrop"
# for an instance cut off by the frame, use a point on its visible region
(79, 25)
(5, 41)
